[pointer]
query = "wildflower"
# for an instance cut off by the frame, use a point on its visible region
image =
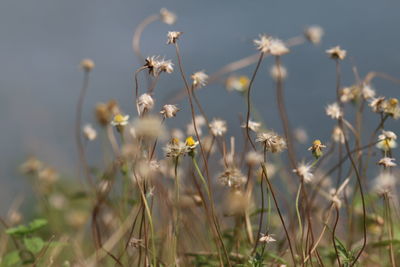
(267, 44)
(232, 177)
(272, 141)
(337, 135)
(254, 126)
(263, 43)
(120, 120)
(377, 104)
(175, 148)
(48, 175)
(384, 183)
(169, 111)
(167, 16)
(266, 238)
(89, 132)
(191, 143)
(392, 108)
(254, 158)
(278, 47)
(156, 65)
(87, 64)
(334, 111)
(387, 140)
(31, 166)
(304, 171)
(218, 127)
(316, 148)
(199, 79)
(367, 92)
(149, 127)
(278, 73)
(349, 94)
(336, 53)
(144, 103)
(105, 111)
(235, 83)
(173, 36)
(301, 135)
(387, 162)
(314, 34)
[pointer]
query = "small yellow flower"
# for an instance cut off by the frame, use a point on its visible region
(120, 120)
(191, 143)
(316, 148)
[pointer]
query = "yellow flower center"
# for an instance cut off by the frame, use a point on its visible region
(244, 81)
(393, 102)
(190, 141)
(175, 141)
(317, 143)
(119, 118)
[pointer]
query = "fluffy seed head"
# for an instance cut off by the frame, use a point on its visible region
(334, 111)
(199, 79)
(314, 34)
(167, 16)
(218, 127)
(169, 111)
(336, 53)
(172, 37)
(87, 64)
(144, 103)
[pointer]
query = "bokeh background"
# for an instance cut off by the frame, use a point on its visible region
(43, 41)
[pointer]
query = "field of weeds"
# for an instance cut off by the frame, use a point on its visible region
(205, 195)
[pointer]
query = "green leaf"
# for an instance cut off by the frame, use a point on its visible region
(18, 230)
(37, 224)
(11, 259)
(34, 244)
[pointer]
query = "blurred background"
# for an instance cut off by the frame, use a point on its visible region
(43, 41)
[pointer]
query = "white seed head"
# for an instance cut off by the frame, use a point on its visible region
(169, 111)
(167, 16)
(144, 103)
(199, 79)
(272, 141)
(89, 132)
(232, 177)
(172, 37)
(334, 111)
(253, 125)
(314, 34)
(218, 127)
(387, 162)
(278, 73)
(336, 53)
(304, 171)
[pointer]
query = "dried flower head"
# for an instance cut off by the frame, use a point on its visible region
(156, 65)
(266, 238)
(232, 177)
(254, 158)
(237, 83)
(278, 73)
(199, 79)
(167, 16)
(337, 135)
(367, 92)
(87, 64)
(31, 166)
(314, 34)
(169, 111)
(350, 93)
(218, 127)
(253, 125)
(173, 37)
(316, 148)
(144, 103)
(104, 112)
(384, 183)
(267, 44)
(304, 171)
(175, 148)
(89, 132)
(377, 104)
(272, 141)
(387, 162)
(336, 53)
(387, 140)
(392, 108)
(334, 111)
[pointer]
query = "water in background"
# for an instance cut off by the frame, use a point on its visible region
(43, 41)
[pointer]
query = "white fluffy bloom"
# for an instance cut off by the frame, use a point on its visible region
(387, 140)
(387, 162)
(334, 111)
(169, 111)
(173, 36)
(314, 34)
(336, 53)
(368, 92)
(267, 44)
(377, 104)
(337, 135)
(304, 171)
(272, 141)
(218, 127)
(144, 103)
(167, 16)
(156, 65)
(266, 238)
(253, 125)
(232, 177)
(120, 120)
(384, 183)
(199, 79)
(89, 132)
